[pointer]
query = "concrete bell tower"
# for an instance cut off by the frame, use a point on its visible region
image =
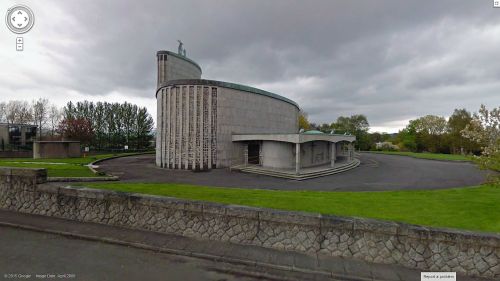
(172, 66)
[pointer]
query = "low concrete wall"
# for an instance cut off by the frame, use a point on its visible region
(375, 241)
(16, 154)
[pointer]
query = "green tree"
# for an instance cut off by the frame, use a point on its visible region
(356, 125)
(484, 129)
(303, 121)
(114, 125)
(430, 133)
(456, 124)
(407, 138)
(144, 126)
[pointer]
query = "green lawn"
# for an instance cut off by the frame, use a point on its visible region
(472, 208)
(432, 156)
(58, 167)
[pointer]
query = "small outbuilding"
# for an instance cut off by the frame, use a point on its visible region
(56, 149)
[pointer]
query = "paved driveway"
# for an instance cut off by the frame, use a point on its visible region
(377, 172)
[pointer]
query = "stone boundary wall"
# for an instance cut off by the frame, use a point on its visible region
(428, 249)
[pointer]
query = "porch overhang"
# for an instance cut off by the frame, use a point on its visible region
(293, 138)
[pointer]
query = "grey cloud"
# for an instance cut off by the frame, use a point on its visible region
(391, 60)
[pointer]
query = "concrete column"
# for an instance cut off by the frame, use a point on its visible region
(195, 111)
(173, 122)
(172, 126)
(159, 133)
(261, 159)
(201, 128)
(161, 127)
(297, 158)
(181, 127)
(349, 152)
(245, 153)
(166, 132)
(209, 137)
(186, 126)
(333, 153)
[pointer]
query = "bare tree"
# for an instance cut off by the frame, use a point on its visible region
(12, 111)
(3, 111)
(40, 113)
(25, 113)
(55, 116)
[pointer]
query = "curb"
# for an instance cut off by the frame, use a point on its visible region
(119, 156)
(94, 179)
(83, 179)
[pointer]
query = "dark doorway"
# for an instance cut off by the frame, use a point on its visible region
(253, 153)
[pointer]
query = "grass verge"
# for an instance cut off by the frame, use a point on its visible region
(432, 156)
(473, 208)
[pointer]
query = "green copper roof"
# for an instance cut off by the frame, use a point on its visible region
(227, 85)
(180, 57)
(313, 132)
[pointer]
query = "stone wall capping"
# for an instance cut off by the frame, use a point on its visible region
(376, 226)
(194, 206)
(310, 219)
(336, 222)
(5, 171)
(37, 175)
(91, 193)
(242, 212)
(156, 200)
(166, 202)
(68, 191)
(465, 237)
(116, 196)
(48, 188)
(213, 208)
(27, 172)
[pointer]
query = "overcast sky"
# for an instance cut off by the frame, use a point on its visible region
(390, 60)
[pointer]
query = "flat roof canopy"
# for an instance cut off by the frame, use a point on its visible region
(293, 138)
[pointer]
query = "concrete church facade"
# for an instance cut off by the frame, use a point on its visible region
(207, 124)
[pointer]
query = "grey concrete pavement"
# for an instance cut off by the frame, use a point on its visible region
(155, 256)
(32, 253)
(377, 172)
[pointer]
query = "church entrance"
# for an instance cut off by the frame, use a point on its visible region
(254, 153)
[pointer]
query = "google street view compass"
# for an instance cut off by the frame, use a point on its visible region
(19, 19)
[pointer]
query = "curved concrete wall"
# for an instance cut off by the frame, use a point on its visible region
(196, 121)
(315, 153)
(242, 112)
(172, 66)
(278, 155)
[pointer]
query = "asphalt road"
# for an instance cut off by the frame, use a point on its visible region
(377, 172)
(25, 254)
